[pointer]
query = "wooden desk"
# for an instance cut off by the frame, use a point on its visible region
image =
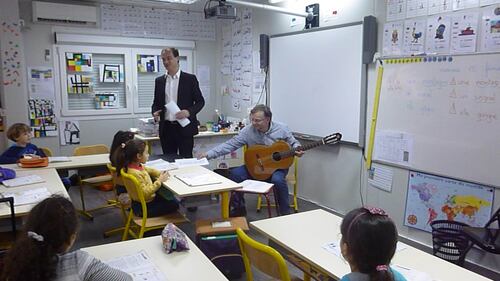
(179, 266)
(181, 189)
(76, 162)
(304, 235)
(52, 183)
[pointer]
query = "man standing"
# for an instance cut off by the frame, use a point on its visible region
(261, 131)
(181, 88)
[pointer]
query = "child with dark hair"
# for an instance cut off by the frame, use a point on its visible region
(368, 243)
(40, 252)
(131, 157)
(20, 134)
(121, 137)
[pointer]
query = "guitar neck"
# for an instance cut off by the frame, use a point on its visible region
(291, 152)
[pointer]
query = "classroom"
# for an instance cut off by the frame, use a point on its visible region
(411, 86)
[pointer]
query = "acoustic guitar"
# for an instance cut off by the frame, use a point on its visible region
(262, 160)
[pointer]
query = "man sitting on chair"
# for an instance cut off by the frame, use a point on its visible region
(265, 132)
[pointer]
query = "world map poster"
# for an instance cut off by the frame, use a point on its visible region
(432, 198)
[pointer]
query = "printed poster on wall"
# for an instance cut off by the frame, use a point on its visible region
(69, 132)
(416, 8)
(439, 6)
(463, 33)
(393, 38)
(396, 10)
(432, 198)
(438, 34)
(414, 36)
(79, 62)
(465, 4)
(490, 32)
(111, 73)
(80, 84)
(147, 63)
(42, 118)
(11, 53)
(41, 82)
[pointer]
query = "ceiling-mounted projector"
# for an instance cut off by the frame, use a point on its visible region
(221, 11)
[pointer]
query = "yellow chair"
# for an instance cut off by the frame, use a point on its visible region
(291, 179)
(91, 149)
(122, 205)
(143, 223)
(47, 151)
(93, 181)
(262, 257)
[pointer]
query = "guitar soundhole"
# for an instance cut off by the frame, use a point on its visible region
(276, 156)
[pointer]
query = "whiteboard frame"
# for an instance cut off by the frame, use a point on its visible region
(363, 86)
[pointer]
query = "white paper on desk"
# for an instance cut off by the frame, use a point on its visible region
(255, 186)
(221, 224)
(29, 196)
(59, 159)
(197, 179)
(412, 274)
(187, 162)
(139, 265)
(23, 181)
(161, 165)
(334, 248)
(172, 108)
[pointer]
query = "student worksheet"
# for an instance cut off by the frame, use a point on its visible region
(139, 265)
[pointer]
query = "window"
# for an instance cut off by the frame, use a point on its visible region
(87, 74)
(145, 82)
(101, 80)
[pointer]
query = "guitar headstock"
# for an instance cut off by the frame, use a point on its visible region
(333, 138)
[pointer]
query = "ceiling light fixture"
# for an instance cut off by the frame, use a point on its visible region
(176, 1)
(270, 8)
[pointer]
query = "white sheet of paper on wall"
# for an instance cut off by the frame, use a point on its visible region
(381, 177)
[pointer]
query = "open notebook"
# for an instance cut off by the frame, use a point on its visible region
(197, 179)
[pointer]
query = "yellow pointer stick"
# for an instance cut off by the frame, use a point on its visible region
(368, 161)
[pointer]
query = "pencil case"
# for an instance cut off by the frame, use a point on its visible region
(33, 162)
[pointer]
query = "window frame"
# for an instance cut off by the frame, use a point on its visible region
(188, 53)
(61, 54)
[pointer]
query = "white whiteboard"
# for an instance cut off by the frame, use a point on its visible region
(452, 110)
(315, 81)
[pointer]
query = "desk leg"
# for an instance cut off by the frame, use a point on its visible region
(224, 204)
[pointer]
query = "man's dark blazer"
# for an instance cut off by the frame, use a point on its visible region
(189, 97)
